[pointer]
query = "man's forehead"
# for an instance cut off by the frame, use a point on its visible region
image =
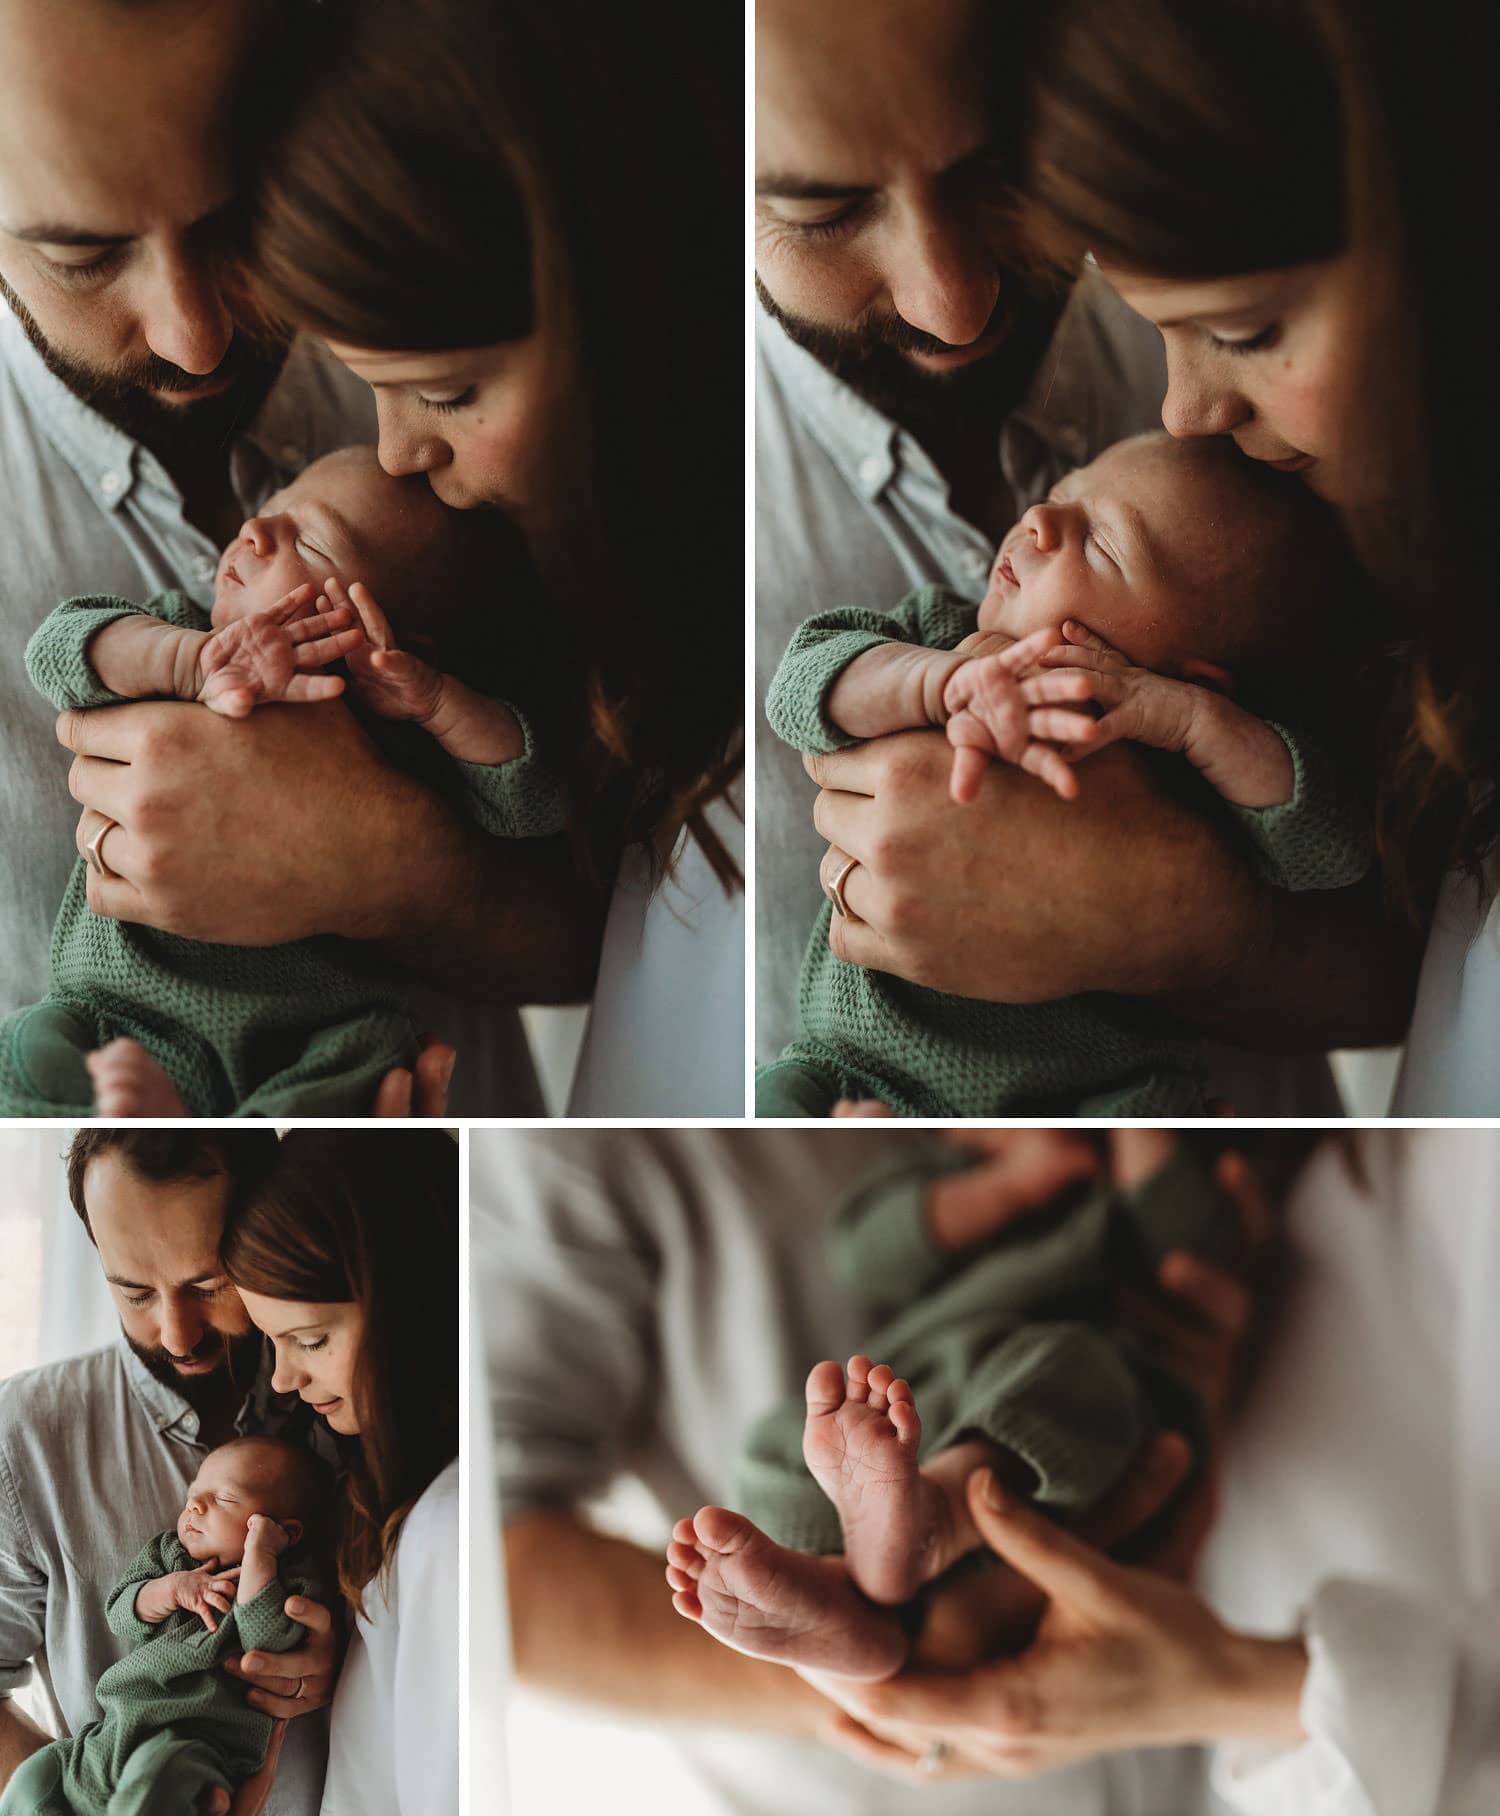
(855, 94)
(146, 1230)
(116, 119)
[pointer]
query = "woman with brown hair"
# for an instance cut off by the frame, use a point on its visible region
(346, 1256)
(521, 226)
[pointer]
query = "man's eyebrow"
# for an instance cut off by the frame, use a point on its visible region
(145, 1286)
(53, 233)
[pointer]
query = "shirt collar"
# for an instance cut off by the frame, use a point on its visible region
(868, 446)
(103, 456)
(168, 1409)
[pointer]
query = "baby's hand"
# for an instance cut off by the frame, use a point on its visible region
(267, 656)
(1236, 753)
(999, 706)
(204, 1591)
(264, 1535)
(392, 682)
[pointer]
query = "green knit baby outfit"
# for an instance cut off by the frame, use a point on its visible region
(926, 1053)
(174, 1726)
(1014, 1341)
(308, 1028)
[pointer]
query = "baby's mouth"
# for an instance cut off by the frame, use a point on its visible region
(1006, 571)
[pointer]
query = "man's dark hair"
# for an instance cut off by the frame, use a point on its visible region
(162, 1155)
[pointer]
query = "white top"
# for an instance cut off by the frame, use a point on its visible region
(1452, 1061)
(1363, 1486)
(393, 1748)
(89, 510)
(666, 1032)
(851, 510)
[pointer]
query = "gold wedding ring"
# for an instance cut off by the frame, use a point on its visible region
(836, 888)
(93, 851)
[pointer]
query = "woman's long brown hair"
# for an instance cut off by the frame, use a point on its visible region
(369, 1217)
(1184, 140)
(442, 174)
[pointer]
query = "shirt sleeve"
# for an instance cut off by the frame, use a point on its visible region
(879, 1242)
(1401, 1708)
(23, 1589)
(150, 1562)
(1324, 837)
(425, 1697)
(516, 800)
(825, 645)
(57, 655)
(569, 1287)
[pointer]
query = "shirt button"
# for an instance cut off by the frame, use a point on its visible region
(111, 484)
(871, 470)
(291, 454)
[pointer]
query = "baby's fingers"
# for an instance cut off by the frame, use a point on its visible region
(1029, 649)
(328, 649)
(290, 604)
(1078, 633)
(302, 690)
(1042, 761)
(1059, 727)
(336, 618)
(1054, 686)
(377, 625)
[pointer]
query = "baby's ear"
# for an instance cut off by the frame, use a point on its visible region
(1209, 674)
(293, 1530)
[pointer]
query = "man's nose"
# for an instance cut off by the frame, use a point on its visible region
(183, 317)
(181, 1329)
(943, 280)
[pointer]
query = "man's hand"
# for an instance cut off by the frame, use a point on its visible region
(286, 1684)
(1020, 897)
(252, 832)
(270, 655)
(250, 1798)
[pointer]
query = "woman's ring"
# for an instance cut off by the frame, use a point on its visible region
(836, 888)
(95, 855)
(935, 1758)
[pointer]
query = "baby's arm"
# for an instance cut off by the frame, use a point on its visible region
(206, 1591)
(265, 1541)
(468, 725)
(852, 673)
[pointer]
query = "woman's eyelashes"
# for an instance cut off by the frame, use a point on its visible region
(1255, 343)
(444, 404)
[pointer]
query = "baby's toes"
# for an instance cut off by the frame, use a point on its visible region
(881, 1377)
(859, 1379)
(686, 1559)
(825, 1389)
(906, 1420)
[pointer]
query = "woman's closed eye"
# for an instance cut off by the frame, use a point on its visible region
(457, 402)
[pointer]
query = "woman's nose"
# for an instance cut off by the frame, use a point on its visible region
(284, 1380)
(1198, 404)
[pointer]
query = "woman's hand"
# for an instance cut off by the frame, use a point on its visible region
(1019, 897)
(286, 1684)
(1122, 1658)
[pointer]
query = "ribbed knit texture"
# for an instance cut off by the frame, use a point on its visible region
(925, 1053)
(308, 1028)
(173, 1724)
(1016, 1341)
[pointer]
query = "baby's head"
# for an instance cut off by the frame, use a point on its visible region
(1187, 557)
(286, 1482)
(346, 516)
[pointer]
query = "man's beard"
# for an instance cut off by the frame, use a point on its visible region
(123, 395)
(869, 355)
(226, 1386)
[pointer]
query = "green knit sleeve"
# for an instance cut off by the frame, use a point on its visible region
(879, 1242)
(263, 1623)
(1324, 837)
(155, 1558)
(825, 645)
(516, 800)
(57, 655)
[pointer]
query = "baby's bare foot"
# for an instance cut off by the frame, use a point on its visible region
(860, 1442)
(129, 1082)
(760, 1598)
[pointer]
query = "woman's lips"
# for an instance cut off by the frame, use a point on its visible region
(324, 1406)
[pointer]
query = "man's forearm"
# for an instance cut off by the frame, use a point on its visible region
(20, 1737)
(504, 920)
(592, 1620)
(1329, 969)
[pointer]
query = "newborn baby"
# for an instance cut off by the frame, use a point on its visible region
(140, 1022)
(1153, 582)
(173, 1725)
(1002, 1332)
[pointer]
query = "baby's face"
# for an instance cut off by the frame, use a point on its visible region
(1123, 544)
(228, 1488)
(342, 516)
